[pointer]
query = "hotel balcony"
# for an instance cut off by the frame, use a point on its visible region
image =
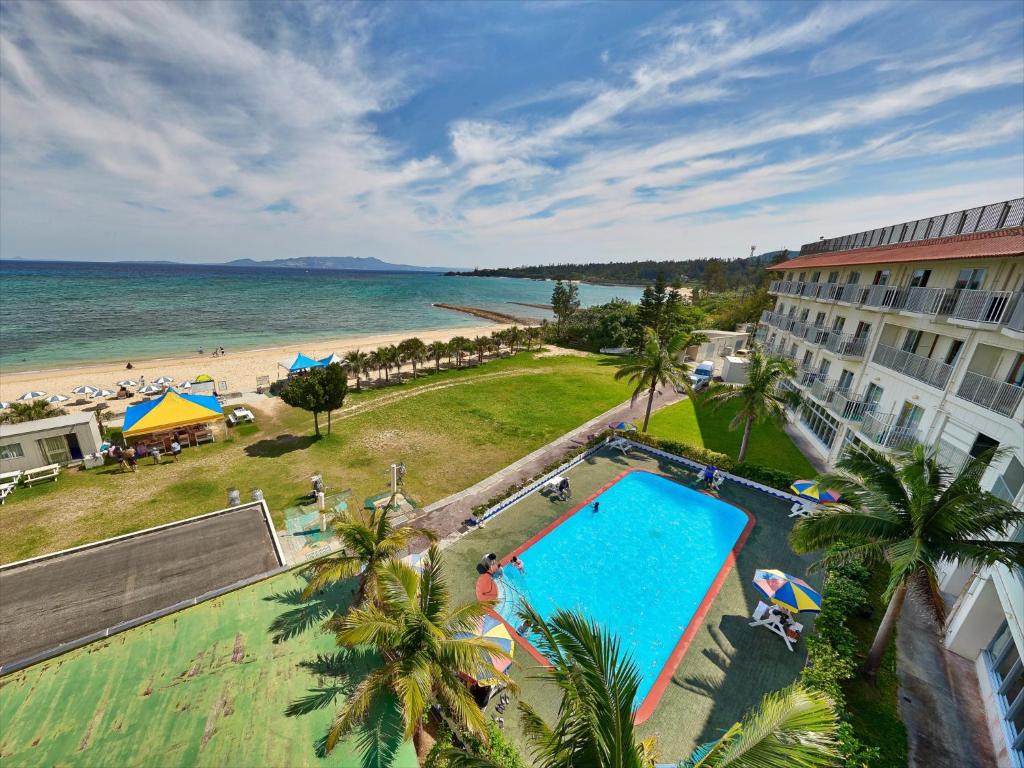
(999, 396)
(881, 429)
(988, 307)
(884, 297)
(799, 328)
(815, 334)
(805, 377)
(846, 344)
(761, 334)
(952, 457)
(929, 301)
(842, 402)
(934, 373)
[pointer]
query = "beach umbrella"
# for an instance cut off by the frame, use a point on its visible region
(57, 398)
(127, 383)
(4, 405)
(102, 393)
(788, 591)
(810, 490)
(185, 385)
(150, 389)
(494, 631)
(33, 395)
(84, 389)
(163, 380)
(623, 426)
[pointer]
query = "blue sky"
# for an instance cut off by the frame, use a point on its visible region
(496, 133)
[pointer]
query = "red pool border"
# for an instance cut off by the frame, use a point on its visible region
(486, 591)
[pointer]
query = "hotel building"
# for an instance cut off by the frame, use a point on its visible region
(915, 332)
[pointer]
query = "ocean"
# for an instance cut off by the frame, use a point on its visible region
(55, 314)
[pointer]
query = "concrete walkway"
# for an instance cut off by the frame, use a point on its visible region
(445, 516)
(940, 701)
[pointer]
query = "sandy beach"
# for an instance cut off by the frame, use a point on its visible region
(239, 370)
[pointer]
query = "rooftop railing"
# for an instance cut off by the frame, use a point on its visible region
(846, 344)
(989, 307)
(932, 372)
(882, 430)
(985, 218)
(999, 396)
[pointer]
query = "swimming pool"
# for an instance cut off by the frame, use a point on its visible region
(646, 566)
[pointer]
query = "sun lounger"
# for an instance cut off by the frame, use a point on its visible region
(802, 510)
(620, 445)
(41, 474)
(764, 617)
(5, 491)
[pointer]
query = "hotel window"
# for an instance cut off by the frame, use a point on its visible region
(1016, 374)
(983, 443)
(816, 277)
(954, 351)
(845, 380)
(863, 329)
(11, 451)
(55, 449)
(1006, 669)
(801, 278)
(881, 277)
(838, 323)
(833, 277)
(807, 358)
(873, 394)
(970, 279)
(911, 340)
(823, 367)
(821, 425)
(920, 278)
(853, 278)
(819, 320)
(803, 315)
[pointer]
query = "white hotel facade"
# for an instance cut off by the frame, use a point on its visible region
(915, 332)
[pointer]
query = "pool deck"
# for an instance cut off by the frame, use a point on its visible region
(726, 665)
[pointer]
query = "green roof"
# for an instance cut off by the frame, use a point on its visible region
(203, 687)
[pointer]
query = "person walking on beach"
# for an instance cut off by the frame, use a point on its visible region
(142, 381)
(175, 448)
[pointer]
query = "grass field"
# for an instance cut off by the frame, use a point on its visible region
(451, 429)
(699, 425)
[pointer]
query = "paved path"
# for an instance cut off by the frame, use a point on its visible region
(446, 515)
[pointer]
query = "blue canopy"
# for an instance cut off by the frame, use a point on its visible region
(301, 363)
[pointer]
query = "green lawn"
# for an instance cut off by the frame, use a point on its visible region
(451, 429)
(695, 423)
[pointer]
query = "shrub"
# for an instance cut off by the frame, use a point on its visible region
(498, 749)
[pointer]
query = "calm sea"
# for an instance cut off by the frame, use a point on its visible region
(54, 314)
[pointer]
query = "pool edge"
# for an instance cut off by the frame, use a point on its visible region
(653, 697)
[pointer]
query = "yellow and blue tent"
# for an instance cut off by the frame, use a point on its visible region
(170, 411)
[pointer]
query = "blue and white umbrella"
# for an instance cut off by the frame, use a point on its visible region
(33, 395)
(102, 393)
(163, 380)
(150, 389)
(4, 405)
(57, 398)
(84, 389)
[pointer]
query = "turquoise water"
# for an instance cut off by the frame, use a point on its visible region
(640, 566)
(59, 313)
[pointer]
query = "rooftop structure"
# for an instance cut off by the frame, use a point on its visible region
(915, 333)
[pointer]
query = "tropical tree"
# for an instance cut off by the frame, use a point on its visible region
(424, 643)
(565, 301)
(460, 345)
(910, 511)
(358, 363)
(334, 383)
(437, 350)
(30, 410)
(375, 361)
(514, 338)
(795, 726)
(414, 352)
(392, 357)
(307, 392)
(760, 398)
(369, 539)
(658, 364)
(480, 345)
(533, 335)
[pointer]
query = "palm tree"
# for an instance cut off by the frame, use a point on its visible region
(657, 364)
(375, 361)
(392, 357)
(416, 630)
(414, 352)
(795, 726)
(368, 539)
(358, 363)
(459, 345)
(760, 399)
(31, 410)
(912, 512)
(480, 345)
(437, 350)
(515, 338)
(533, 335)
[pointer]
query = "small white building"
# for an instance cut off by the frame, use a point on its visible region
(719, 344)
(734, 370)
(67, 439)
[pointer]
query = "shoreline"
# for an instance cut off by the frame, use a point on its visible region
(239, 369)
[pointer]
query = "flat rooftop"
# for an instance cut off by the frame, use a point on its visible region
(55, 600)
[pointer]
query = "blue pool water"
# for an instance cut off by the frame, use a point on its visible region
(640, 566)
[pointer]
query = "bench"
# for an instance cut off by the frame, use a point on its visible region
(40, 474)
(11, 477)
(203, 437)
(5, 491)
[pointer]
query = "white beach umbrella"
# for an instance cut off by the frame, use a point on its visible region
(163, 380)
(33, 395)
(103, 393)
(185, 385)
(4, 405)
(84, 389)
(127, 383)
(150, 389)
(57, 398)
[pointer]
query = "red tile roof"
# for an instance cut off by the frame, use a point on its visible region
(1004, 242)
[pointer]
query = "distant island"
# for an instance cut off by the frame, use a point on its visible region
(719, 273)
(364, 263)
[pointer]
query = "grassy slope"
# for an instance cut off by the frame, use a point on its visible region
(701, 426)
(448, 436)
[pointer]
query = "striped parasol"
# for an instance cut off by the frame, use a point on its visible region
(57, 398)
(496, 632)
(163, 380)
(788, 591)
(811, 490)
(84, 389)
(33, 395)
(127, 383)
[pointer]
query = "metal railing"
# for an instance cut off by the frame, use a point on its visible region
(999, 396)
(986, 218)
(883, 297)
(806, 377)
(823, 389)
(853, 294)
(932, 372)
(799, 328)
(991, 307)
(952, 457)
(882, 430)
(761, 333)
(816, 334)
(929, 301)
(851, 407)
(846, 344)
(1015, 321)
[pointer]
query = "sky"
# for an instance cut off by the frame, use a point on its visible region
(496, 133)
